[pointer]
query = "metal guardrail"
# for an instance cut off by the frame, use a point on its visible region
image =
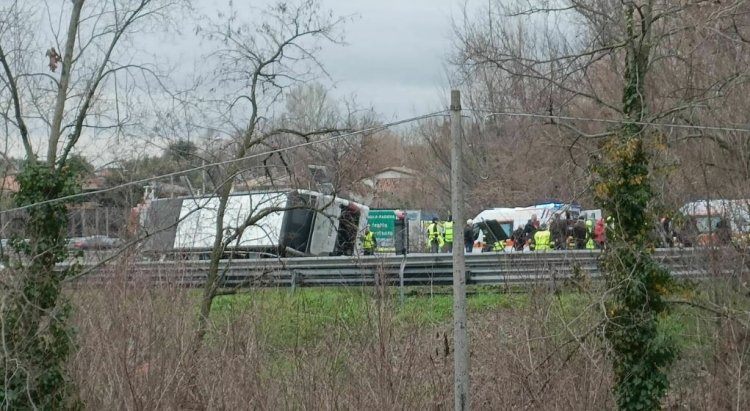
(419, 269)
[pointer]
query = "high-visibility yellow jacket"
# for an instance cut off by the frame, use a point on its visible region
(542, 240)
(448, 231)
(368, 241)
(499, 246)
(590, 235)
(433, 234)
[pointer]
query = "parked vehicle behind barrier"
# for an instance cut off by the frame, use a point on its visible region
(715, 222)
(287, 223)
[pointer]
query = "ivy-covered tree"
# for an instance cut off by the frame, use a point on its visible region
(51, 111)
(623, 187)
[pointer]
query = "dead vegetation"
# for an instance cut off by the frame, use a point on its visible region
(358, 349)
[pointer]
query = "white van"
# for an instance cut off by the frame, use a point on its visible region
(705, 219)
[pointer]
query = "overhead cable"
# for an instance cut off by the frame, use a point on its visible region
(225, 162)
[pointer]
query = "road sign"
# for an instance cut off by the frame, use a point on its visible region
(382, 224)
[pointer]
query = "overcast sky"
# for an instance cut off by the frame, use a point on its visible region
(395, 60)
(394, 56)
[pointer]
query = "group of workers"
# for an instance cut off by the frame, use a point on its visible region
(560, 234)
(440, 236)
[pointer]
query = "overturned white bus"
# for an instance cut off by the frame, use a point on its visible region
(292, 223)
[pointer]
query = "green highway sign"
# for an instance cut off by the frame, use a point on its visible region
(382, 224)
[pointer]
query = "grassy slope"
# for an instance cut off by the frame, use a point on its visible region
(348, 348)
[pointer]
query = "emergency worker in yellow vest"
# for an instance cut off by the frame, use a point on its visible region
(448, 234)
(499, 246)
(434, 237)
(542, 239)
(369, 242)
(590, 235)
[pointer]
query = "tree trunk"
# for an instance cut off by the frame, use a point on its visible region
(636, 282)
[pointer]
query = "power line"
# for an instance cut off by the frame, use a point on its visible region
(609, 121)
(225, 162)
(441, 113)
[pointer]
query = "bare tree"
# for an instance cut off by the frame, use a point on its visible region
(51, 111)
(310, 107)
(256, 62)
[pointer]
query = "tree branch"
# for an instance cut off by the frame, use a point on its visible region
(15, 96)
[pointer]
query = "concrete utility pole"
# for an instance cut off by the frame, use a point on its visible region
(460, 332)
